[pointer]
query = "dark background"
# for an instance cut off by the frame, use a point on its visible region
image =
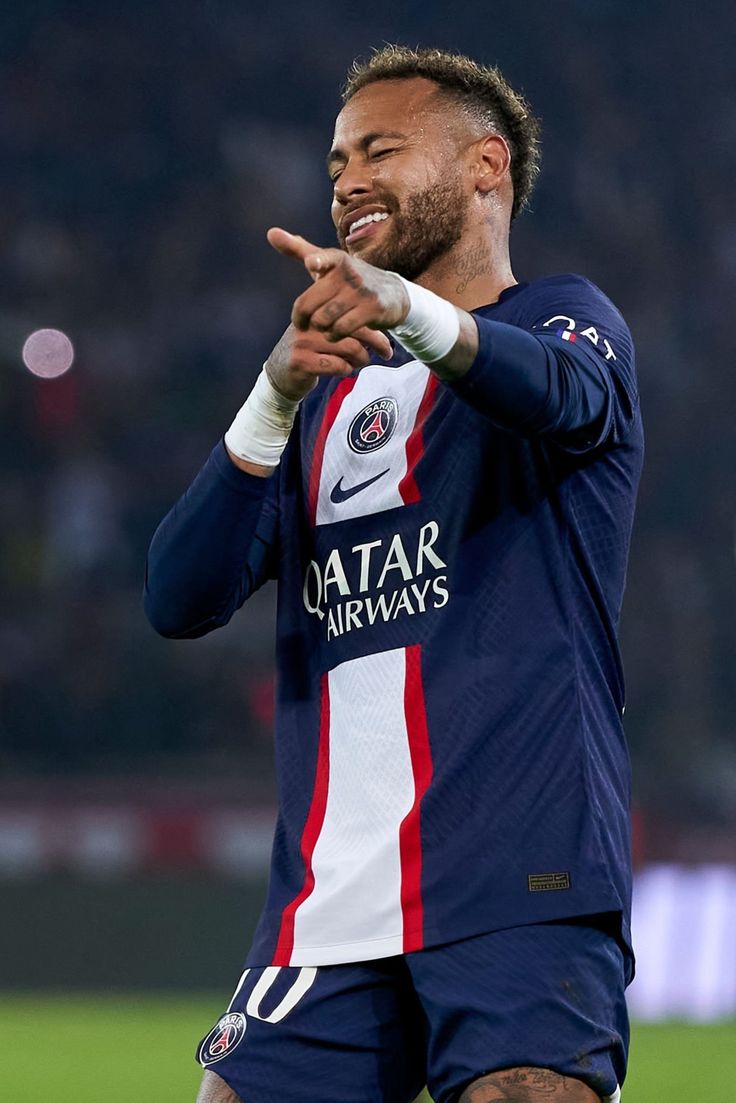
(145, 149)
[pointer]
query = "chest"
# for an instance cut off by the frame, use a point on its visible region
(367, 436)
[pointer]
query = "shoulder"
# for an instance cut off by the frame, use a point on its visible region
(568, 287)
(569, 304)
(572, 308)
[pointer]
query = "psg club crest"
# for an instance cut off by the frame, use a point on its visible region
(223, 1038)
(373, 426)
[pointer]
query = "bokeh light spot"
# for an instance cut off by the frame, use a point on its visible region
(48, 353)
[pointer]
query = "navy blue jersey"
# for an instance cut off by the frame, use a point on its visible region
(450, 752)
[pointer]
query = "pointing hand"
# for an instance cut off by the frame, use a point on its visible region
(347, 293)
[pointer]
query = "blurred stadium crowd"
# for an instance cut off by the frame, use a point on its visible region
(146, 149)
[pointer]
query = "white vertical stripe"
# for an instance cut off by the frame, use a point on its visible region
(406, 386)
(238, 986)
(300, 985)
(355, 906)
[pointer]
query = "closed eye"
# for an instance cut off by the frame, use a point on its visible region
(381, 152)
(374, 155)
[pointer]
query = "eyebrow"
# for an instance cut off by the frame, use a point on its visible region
(367, 140)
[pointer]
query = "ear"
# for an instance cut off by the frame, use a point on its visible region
(491, 162)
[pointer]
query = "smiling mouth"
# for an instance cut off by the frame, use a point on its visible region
(366, 226)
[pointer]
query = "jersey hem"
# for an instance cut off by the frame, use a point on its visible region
(346, 953)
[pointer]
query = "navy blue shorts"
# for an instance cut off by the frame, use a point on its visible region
(548, 996)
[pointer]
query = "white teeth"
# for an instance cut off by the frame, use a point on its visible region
(377, 216)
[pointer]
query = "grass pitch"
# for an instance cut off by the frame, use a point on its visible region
(139, 1049)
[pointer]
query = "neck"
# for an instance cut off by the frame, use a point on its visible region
(474, 272)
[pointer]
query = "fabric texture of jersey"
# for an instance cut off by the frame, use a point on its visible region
(449, 745)
(360, 1032)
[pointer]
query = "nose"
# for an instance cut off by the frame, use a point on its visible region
(355, 180)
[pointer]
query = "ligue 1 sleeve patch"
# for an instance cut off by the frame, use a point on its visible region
(223, 1038)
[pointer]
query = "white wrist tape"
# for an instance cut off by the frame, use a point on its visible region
(432, 326)
(262, 424)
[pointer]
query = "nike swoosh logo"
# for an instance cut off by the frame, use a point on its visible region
(339, 493)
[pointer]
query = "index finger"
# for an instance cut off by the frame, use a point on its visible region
(316, 261)
(291, 245)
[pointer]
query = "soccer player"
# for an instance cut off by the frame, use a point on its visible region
(439, 465)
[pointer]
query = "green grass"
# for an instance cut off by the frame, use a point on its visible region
(88, 1049)
(138, 1049)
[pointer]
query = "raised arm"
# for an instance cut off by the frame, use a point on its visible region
(567, 376)
(572, 382)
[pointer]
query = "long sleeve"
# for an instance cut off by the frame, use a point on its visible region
(212, 550)
(568, 377)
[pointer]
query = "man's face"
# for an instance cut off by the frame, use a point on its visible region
(395, 165)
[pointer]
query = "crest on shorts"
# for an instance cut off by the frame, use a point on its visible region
(374, 425)
(223, 1038)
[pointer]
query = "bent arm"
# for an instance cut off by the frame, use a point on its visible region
(212, 550)
(530, 384)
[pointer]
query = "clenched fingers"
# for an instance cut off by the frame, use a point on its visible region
(375, 339)
(347, 324)
(322, 363)
(334, 358)
(314, 299)
(338, 291)
(351, 350)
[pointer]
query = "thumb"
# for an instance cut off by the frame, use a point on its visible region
(315, 260)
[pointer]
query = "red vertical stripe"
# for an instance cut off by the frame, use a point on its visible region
(335, 401)
(410, 839)
(312, 828)
(408, 488)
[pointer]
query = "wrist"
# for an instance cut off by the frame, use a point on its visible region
(431, 326)
(260, 432)
(281, 387)
(256, 469)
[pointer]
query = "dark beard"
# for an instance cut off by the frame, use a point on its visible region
(431, 222)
